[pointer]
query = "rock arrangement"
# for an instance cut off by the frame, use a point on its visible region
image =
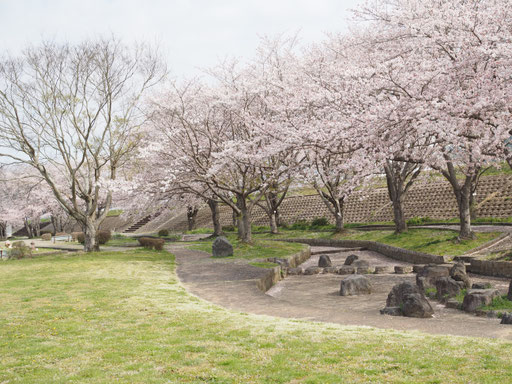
(221, 247)
(406, 299)
(355, 285)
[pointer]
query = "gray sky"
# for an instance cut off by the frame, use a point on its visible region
(192, 33)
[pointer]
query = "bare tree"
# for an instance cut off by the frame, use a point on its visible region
(72, 112)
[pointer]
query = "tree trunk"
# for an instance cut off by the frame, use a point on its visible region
(235, 218)
(191, 217)
(464, 205)
(463, 194)
(91, 244)
(214, 208)
(400, 177)
(340, 219)
(244, 220)
(273, 222)
(28, 227)
(398, 216)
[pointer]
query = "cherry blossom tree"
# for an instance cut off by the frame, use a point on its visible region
(72, 112)
(451, 72)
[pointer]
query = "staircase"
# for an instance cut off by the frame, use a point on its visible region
(142, 222)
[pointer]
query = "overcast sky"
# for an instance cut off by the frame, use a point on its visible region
(192, 34)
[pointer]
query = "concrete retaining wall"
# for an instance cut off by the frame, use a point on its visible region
(490, 268)
(384, 249)
(276, 274)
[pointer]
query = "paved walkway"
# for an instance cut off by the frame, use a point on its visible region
(232, 284)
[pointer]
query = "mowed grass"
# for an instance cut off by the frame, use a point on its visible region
(433, 241)
(125, 318)
(258, 249)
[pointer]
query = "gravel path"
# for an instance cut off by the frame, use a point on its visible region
(232, 284)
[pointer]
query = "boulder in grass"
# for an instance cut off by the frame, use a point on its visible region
(476, 298)
(221, 247)
(355, 285)
(350, 259)
(324, 261)
(406, 299)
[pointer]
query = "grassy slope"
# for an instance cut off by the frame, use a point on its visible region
(433, 241)
(257, 250)
(112, 317)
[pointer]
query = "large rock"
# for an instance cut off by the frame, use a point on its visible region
(446, 288)
(346, 270)
(295, 271)
(506, 318)
(324, 261)
(381, 269)
(313, 270)
(509, 295)
(458, 273)
(360, 264)
(476, 298)
(403, 269)
(355, 285)
(350, 259)
(222, 247)
(406, 299)
(427, 277)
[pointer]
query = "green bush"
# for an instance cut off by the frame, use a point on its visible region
(103, 237)
(150, 243)
(419, 220)
(80, 237)
(163, 233)
(300, 225)
(20, 250)
(319, 222)
(46, 236)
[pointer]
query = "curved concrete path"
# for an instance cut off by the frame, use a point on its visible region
(232, 284)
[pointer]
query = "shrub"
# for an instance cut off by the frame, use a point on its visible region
(74, 235)
(150, 243)
(300, 225)
(80, 237)
(20, 250)
(46, 236)
(103, 237)
(163, 233)
(228, 228)
(418, 220)
(319, 222)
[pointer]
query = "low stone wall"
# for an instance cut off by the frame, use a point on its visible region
(276, 274)
(384, 249)
(490, 268)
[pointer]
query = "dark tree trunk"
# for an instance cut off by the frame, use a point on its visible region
(337, 209)
(244, 220)
(191, 217)
(463, 194)
(214, 208)
(91, 243)
(399, 177)
(28, 227)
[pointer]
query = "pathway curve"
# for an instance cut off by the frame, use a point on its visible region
(232, 284)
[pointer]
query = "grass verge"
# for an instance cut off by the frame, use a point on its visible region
(258, 249)
(124, 317)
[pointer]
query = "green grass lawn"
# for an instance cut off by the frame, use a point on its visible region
(260, 248)
(124, 317)
(434, 241)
